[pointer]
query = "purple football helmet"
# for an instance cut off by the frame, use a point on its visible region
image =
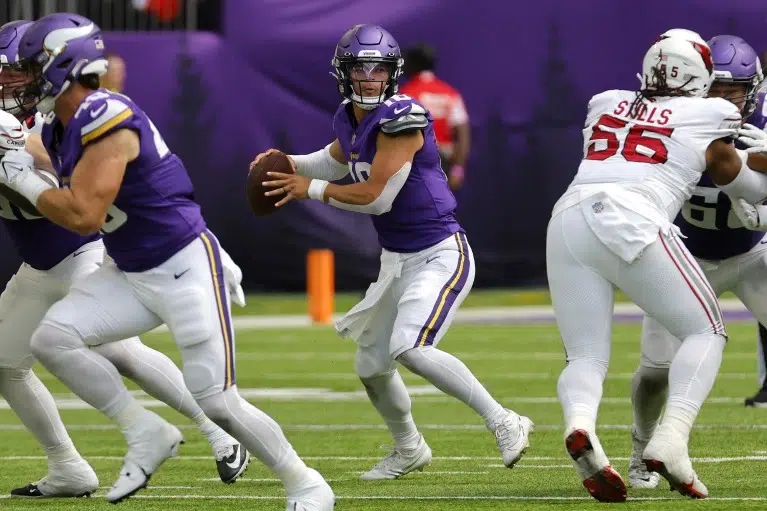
(12, 78)
(736, 62)
(57, 50)
(369, 56)
(759, 117)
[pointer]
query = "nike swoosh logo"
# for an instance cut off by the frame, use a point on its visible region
(78, 253)
(236, 463)
(431, 259)
(398, 111)
(98, 111)
(179, 275)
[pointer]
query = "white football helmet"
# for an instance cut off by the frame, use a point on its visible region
(680, 60)
(12, 134)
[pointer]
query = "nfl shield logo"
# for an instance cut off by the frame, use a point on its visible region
(597, 207)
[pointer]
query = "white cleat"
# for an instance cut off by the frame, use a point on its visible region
(398, 463)
(149, 445)
(64, 480)
(512, 435)
(599, 478)
(315, 495)
(666, 454)
(639, 476)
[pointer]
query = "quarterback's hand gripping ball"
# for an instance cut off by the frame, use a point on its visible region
(269, 161)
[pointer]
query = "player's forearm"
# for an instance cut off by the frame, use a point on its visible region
(64, 208)
(357, 194)
(366, 197)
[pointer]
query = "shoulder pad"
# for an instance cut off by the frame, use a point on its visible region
(402, 115)
(602, 103)
(724, 113)
(98, 116)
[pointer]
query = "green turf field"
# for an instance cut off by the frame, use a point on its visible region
(331, 424)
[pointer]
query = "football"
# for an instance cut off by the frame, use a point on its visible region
(261, 204)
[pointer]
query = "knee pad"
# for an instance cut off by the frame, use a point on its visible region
(372, 361)
(48, 339)
(9, 376)
(201, 375)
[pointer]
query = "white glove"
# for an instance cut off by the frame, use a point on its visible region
(753, 138)
(232, 277)
(752, 217)
(12, 134)
(17, 171)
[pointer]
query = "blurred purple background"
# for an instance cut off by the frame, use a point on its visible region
(526, 72)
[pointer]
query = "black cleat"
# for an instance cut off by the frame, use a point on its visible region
(233, 466)
(759, 400)
(31, 491)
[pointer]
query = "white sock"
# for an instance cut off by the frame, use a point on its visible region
(691, 377)
(35, 407)
(127, 417)
(390, 398)
(209, 428)
(649, 389)
(452, 377)
(580, 391)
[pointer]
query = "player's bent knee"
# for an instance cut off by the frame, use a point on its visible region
(202, 379)
(370, 362)
(9, 376)
(48, 339)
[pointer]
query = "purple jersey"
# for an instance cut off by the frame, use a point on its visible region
(423, 213)
(712, 229)
(154, 214)
(40, 243)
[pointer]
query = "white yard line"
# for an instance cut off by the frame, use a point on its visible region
(728, 459)
(381, 427)
(427, 498)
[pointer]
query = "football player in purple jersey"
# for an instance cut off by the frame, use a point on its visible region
(53, 259)
(163, 265)
(385, 141)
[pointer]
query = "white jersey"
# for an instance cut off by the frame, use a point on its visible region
(647, 159)
(657, 150)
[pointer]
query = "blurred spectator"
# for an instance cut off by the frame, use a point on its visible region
(114, 80)
(451, 121)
